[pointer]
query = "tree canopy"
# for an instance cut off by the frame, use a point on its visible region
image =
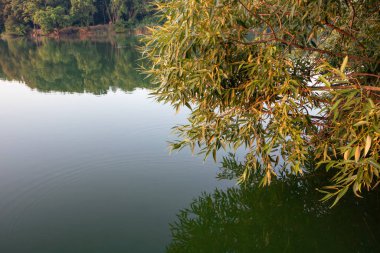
(19, 16)
(284, 79)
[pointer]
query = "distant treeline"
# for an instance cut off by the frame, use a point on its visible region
(18, 17)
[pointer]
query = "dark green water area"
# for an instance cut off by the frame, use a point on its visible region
(85, 168)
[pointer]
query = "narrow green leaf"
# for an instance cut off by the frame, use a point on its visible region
(340, 195)
(344, 64)
(325, 81)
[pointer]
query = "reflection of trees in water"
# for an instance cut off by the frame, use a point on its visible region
(72, 66)
(285, 217)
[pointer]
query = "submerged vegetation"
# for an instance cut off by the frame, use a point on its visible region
(18, 17)
(284, 79)
(72, 66)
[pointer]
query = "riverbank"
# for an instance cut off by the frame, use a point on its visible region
(97, 31)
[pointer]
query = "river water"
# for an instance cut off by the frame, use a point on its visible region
(85, 167)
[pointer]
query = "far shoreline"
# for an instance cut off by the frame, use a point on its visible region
(82, 33)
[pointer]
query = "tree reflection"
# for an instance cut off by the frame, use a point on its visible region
(72, 66)
(285, 217)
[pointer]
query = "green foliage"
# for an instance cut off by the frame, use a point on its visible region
(18, 16)
(51, 18)
(82, 11)
(130, 11)
(14, 17)
(121, 26)
(102, 15)
(2, 18)
(14, 27)
(281, 78)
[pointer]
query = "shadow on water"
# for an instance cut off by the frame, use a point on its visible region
(285, 217)
(72, 66)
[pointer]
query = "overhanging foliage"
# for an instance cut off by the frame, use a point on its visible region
(282, 78)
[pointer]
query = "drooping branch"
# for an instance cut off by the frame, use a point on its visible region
(363, 74)
(343, 87)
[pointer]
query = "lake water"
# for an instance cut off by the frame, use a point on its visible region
(85, 167)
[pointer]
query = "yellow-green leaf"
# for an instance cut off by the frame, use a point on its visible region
(324, 80)
(367, 145)
(357, 153)
(361, 123)
(345, 156)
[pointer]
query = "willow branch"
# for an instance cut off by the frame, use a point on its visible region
(343, 87)
(364, 74)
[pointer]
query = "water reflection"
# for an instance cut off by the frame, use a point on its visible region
(286, 217)
(72, 66)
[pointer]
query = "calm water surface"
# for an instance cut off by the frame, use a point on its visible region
(84, 167)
